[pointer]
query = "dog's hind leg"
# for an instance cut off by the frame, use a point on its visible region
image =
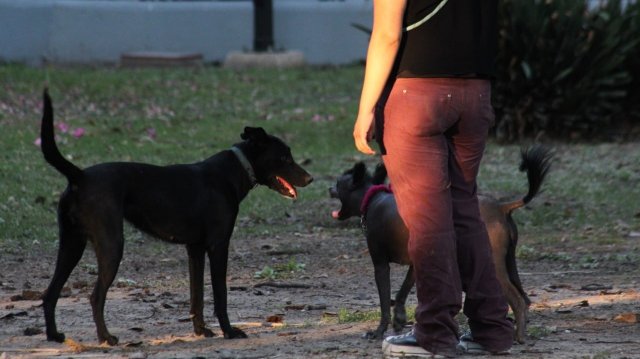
(108, 243)
(71, 247)
(399, 309)
(196, 279)
(512, 266)
(515, 300)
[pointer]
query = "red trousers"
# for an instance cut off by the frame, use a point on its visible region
(435, 131)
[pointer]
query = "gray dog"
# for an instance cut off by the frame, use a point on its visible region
(361, 194)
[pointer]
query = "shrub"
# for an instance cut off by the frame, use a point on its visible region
(565, 70)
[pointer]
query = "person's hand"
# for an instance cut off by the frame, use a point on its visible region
(363, 132)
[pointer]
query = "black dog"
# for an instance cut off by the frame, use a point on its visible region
(361, 194)
(192, 204)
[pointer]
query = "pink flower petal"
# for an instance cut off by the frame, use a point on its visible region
(63, 127)
(78, 132)
(37, 142)
(151, 132)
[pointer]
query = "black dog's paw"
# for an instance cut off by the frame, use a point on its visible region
(56, 337)
(399, 319)
(374, 334)
(399, 324)
(110, 340)
(204, 331)
(235, 333)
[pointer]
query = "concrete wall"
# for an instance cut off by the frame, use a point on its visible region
(99, 31)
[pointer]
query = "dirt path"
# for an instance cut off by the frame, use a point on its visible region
(575, 314)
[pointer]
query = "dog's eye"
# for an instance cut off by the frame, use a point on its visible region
(285, 159)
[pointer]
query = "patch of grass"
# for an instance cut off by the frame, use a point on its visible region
(537, 332)
(165, 116)
(357, 316)
(282, 270)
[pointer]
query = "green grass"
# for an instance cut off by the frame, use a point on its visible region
(592, 195)
(281, 270)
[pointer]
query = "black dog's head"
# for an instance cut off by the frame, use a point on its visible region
(272, 162)
(351, 187)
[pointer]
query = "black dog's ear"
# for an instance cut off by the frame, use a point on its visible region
(253, 133)
(380, 174)
(359, 172)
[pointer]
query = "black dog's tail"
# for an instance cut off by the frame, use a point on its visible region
(48, 144)
(536, 161)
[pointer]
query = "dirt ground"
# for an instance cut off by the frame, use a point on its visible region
(575, 313)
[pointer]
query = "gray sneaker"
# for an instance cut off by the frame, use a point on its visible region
(467, 345)
(405, 346)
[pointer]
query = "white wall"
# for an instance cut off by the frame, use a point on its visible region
(99, 31)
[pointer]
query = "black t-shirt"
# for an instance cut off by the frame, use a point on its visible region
(459, 40)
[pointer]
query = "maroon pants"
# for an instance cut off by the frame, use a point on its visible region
(435, 131)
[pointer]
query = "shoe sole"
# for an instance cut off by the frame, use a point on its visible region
(391, 351)
(479, 351)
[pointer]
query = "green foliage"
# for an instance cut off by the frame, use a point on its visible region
(347, 316)
(564, 70)
(282, 270)
(633, 64)
(266, 273)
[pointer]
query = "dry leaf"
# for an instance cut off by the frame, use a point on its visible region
(630, 318)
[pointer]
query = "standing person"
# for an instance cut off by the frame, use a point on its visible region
(426, 97)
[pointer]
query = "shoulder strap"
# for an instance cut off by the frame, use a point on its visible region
(426, 18)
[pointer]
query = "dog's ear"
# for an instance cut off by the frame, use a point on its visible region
(380, 174)
(359, 172)
(253, 133)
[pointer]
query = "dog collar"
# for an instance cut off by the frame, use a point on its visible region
(372, 191)
(246, 164)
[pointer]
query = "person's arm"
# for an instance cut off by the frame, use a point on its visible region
(381, 54)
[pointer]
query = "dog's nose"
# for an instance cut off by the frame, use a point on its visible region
(309, 179)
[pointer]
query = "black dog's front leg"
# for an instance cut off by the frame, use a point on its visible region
(383, 282)
(218, 261)
(399, 310)
(196, 280)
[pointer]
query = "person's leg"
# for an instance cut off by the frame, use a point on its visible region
(417, 164)
(485, 304)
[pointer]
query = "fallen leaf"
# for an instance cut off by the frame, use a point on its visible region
(277, 318)
(630, 318)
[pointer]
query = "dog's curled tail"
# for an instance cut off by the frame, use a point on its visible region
(536, 161)
(48, 144)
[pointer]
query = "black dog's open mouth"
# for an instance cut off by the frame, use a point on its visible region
(335, 214)
(285, 188)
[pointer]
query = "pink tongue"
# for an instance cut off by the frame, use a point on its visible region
(335, 214)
